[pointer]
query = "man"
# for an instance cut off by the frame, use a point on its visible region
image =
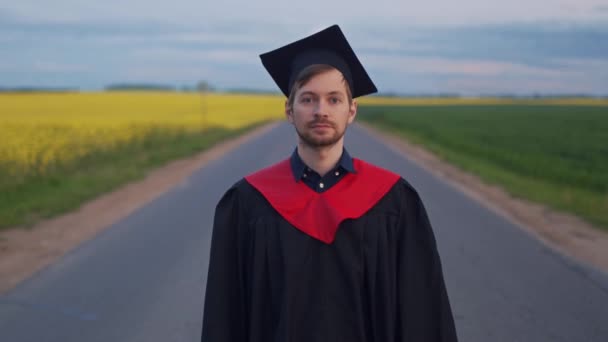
(322, 246)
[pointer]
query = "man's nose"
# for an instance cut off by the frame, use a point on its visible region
(321, 109)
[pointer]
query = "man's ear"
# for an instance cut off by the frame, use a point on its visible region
(352, 112)
(288, 111)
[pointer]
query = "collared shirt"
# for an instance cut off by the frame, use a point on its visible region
(313, 180)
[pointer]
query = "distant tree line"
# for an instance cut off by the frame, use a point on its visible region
(139, 87)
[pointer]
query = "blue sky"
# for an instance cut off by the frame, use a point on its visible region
(470, 47)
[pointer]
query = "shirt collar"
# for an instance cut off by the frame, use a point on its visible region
(298, 167)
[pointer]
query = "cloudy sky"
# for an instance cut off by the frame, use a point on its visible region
(469, 47)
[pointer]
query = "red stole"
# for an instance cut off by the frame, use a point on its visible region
(320, 214)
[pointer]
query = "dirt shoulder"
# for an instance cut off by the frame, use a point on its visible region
(25, 251)
(564, 232)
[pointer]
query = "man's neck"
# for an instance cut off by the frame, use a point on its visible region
(321, 160)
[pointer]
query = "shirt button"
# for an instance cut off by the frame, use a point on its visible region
(304, 175)
(321, 185)
(337, 173)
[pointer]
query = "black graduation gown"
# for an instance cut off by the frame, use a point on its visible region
(380, 280)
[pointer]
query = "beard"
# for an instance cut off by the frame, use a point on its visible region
(310, 139)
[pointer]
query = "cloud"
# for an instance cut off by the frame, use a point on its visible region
(523, 43)
(434, 65)
(217, 38)
(55, 67)
(480, 86)
(175, 73)
(210, 55)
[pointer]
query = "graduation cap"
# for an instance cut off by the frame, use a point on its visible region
(328, 46)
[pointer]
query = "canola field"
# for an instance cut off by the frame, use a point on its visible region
(42, 131)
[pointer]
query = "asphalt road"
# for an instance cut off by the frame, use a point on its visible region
(143, 279)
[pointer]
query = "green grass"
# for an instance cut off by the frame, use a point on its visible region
(557, 155)
(27, 200)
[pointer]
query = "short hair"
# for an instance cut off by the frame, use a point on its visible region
(309, 72)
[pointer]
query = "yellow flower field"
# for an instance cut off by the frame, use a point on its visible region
(39, 130)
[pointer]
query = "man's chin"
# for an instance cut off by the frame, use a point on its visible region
(320, 142)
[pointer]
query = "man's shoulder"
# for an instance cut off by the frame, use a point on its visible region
(401, 186)
(239, 188)
(382, 170)
(363, 165)
(369, 168)
(406, 190)
(240, 195)
(280, 167)
(245, 188)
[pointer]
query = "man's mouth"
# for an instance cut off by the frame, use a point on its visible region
(321, 125)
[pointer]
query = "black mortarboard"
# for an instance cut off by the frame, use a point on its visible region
(325, 47)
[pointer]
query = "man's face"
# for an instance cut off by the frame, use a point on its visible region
(321, 110)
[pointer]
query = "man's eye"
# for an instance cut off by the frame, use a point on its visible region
(334, 100)
(305, 100)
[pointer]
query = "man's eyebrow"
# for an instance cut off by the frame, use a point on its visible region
(334, 92)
